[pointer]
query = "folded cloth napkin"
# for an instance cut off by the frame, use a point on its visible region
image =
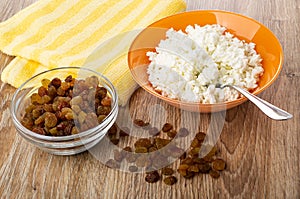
(58, 33)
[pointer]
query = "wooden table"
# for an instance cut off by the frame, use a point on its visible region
(262, 155)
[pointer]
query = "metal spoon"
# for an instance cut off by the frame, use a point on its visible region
(269, 109)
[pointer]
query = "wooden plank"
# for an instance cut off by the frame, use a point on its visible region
(262, 155)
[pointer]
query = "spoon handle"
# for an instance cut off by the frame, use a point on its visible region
(269, 109)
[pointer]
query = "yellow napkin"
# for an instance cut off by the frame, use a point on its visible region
(58, 33)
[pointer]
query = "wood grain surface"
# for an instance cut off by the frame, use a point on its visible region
(263, 156)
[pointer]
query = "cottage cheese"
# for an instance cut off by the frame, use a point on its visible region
(187, 66)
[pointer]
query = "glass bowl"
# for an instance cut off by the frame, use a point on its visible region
(69, 144)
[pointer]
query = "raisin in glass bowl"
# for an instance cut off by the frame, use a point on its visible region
(65, 111)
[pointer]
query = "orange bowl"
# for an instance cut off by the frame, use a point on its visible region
(244, 28)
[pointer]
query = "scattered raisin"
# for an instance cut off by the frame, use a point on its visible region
(143, 142)
(208, 159)
(118, 156)
(167, 171)
(200, 136)
(131, 157)
(141, 150)
(195, 143)
(172, 133)
(193, 168)
(139, 122)
(199, 160)
(183, 132)
(154, 131)
(112, 164)
(214, 174)
(152, 149)
(175, 151)
(187, 161)
(204, 168)
(160, 142)
(152, 177)
(209, 151)
(194, 151)
(189, 174)
(170, 180)
(143, 161)
(167, 127)
(159, 161)
(218, 164)
(133, 168)
(182, 169)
